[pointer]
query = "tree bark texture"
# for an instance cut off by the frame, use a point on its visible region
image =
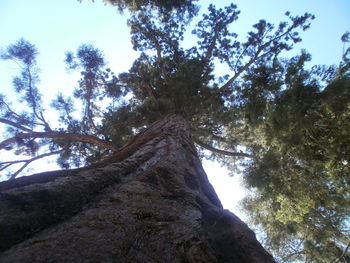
(151, 202)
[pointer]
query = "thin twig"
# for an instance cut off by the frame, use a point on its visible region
(27, 162)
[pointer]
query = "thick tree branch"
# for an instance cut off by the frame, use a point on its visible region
(210, 148)
(60, 135)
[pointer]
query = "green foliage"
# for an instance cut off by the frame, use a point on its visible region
(163, 6)
(300, 170)
(25, 84)
(291, 121)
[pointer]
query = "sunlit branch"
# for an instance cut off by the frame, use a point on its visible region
(212, 149)
(60, 135)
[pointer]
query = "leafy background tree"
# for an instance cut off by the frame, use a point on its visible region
(300, 179)
(285, 123)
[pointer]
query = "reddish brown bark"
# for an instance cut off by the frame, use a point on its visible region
(151, 202)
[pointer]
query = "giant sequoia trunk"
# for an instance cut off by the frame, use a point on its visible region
(151, 202)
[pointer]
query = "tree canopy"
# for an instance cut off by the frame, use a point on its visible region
(287, 124)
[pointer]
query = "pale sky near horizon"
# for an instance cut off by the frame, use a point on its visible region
(58, 26)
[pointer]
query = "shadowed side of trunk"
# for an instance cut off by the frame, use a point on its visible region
(151, 202)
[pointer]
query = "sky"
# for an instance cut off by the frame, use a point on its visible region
(55, 27)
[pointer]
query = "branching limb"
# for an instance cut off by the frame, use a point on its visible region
(210, 148)
(28, 161)
(14, 124)
(45, 123)
(16, 116)
(257, 55)
(20, 119)
(60, 135)
(245, 67)
(147, 87)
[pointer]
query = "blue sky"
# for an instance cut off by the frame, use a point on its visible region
(58, 26)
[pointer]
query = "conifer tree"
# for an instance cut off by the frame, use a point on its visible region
(285, 124)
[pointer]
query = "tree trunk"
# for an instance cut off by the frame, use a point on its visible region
(151, 202)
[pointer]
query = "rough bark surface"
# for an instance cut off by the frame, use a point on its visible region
(151, 202)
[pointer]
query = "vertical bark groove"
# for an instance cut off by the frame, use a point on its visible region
(151, 203)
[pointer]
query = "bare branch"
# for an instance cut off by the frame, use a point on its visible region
(8, 164)
(27, 162)
(60, 135)
(210, 148)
